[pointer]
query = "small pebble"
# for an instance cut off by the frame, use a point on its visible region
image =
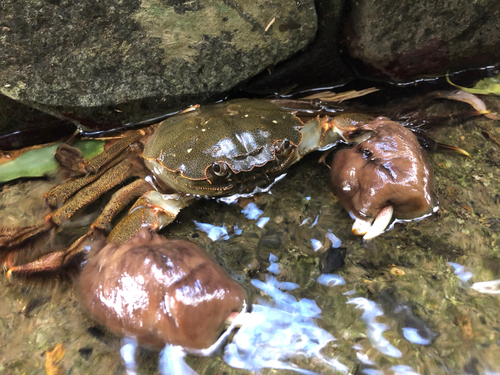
(85, 352)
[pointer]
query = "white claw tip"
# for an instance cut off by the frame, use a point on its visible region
(360, 226)
(381, 222)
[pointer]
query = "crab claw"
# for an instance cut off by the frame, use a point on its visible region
(383, 176)
(381, 222)
(360, 226)
(370, 228)
(160, 292)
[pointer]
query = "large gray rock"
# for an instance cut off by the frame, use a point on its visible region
(78, 57)
(408, 39)
(321, 64)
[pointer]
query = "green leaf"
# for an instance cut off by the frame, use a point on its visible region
(40, 162)
(487, 86)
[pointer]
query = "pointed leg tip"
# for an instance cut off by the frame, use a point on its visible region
(463, 152)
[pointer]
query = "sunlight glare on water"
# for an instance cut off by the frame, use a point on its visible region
(274, 268)
(461, 272)
(394, 370)
(375, 330)
(285, 330)
(412, 335)
(280, 330)
(213, 232)
(127, 352)
(330, 279)
(487, 287)
(252, 212)
(172, 362)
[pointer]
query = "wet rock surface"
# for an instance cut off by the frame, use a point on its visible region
(68, 58)
(106, 65)
(411, 39)
(30, 125)
(321, 64)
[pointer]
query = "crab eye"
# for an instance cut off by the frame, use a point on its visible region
(218, 171)
(282, 149)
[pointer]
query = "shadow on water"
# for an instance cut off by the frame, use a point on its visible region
(403, 308)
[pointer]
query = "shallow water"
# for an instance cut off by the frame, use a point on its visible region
(403, 308)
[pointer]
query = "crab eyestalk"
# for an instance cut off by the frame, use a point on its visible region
(384, 176)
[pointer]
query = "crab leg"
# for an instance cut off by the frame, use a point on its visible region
(13, 237)
(53, 261)
(108, 158)
(111, 153)
(58, 195)
(153, 210)
(111, 178)
(86, 188)
(90, 193)
(118, 201)
(322, 133)
(49, 262)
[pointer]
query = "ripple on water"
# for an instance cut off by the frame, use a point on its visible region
(375, 330)
(284, 330)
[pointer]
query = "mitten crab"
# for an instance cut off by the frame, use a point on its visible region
(163, 292)
(231, 148)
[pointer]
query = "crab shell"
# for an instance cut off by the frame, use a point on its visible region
(226, 148)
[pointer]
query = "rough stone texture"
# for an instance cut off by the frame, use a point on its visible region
(409, 39)
(66, 57)
(321, 64)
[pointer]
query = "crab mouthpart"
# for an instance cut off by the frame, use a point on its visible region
(372, 228)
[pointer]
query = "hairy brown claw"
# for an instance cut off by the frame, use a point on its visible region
(388, 169)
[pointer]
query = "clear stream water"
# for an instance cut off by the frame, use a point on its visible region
(406, 302)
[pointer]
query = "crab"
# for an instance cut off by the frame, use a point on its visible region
(236, 148)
